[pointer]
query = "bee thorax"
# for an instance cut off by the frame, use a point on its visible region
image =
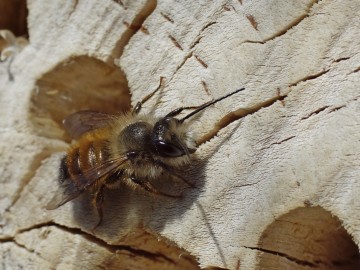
(136, 137)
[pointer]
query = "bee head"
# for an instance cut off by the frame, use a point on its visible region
(167, 139)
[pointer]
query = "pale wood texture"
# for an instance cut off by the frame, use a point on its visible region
(276, 188)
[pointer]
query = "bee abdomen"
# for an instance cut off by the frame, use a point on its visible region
(63, 170)
(73, 163)
(82, 158)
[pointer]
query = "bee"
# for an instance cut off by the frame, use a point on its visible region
(130, 148)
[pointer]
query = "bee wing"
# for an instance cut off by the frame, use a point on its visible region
(66, 192)
(78, 123)
(72, 188)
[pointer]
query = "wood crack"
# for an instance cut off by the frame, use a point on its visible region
(314, 264)
(23, 247)
(73, 8)
(355, 70)
(116, 249)
(176, 43)
(291, 25)
(236, 115)
(310, 77)
(120, 2)
(284, 255)
(167, 17)
(331, 109)
(199, 37)
(31, 171)
(278, 143)
(341, 59)
(315, 112)
(189, 55)
(12, 240)
(244, 185)
(284, 140)
(134, 27)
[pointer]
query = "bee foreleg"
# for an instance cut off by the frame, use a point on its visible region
(98, 201)
(147, 186)
(172, 172)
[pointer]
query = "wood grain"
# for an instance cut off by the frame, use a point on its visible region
(284, 164)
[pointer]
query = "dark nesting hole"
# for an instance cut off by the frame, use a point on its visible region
(13, 15)
(80, 83)
(307, 238)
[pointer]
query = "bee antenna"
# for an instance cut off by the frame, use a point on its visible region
(209, 104)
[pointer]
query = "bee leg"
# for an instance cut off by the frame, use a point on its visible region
(98, 201)
(113, 180)
(145, 185)
(138, 105)
(172, 172)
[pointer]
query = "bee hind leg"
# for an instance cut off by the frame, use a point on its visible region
(98, 201)
(172, 172)
(147, 186)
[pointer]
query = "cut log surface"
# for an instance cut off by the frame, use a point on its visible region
(277, 187)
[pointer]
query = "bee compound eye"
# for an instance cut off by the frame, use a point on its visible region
(166, 149)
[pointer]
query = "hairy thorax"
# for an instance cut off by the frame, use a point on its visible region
(133, 138)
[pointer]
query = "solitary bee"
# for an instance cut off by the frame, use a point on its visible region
(131, 148)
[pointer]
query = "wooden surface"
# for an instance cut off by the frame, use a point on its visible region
(276, 188)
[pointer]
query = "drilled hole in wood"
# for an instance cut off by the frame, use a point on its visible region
(81, 83)
(13, 16)
(307, 238)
